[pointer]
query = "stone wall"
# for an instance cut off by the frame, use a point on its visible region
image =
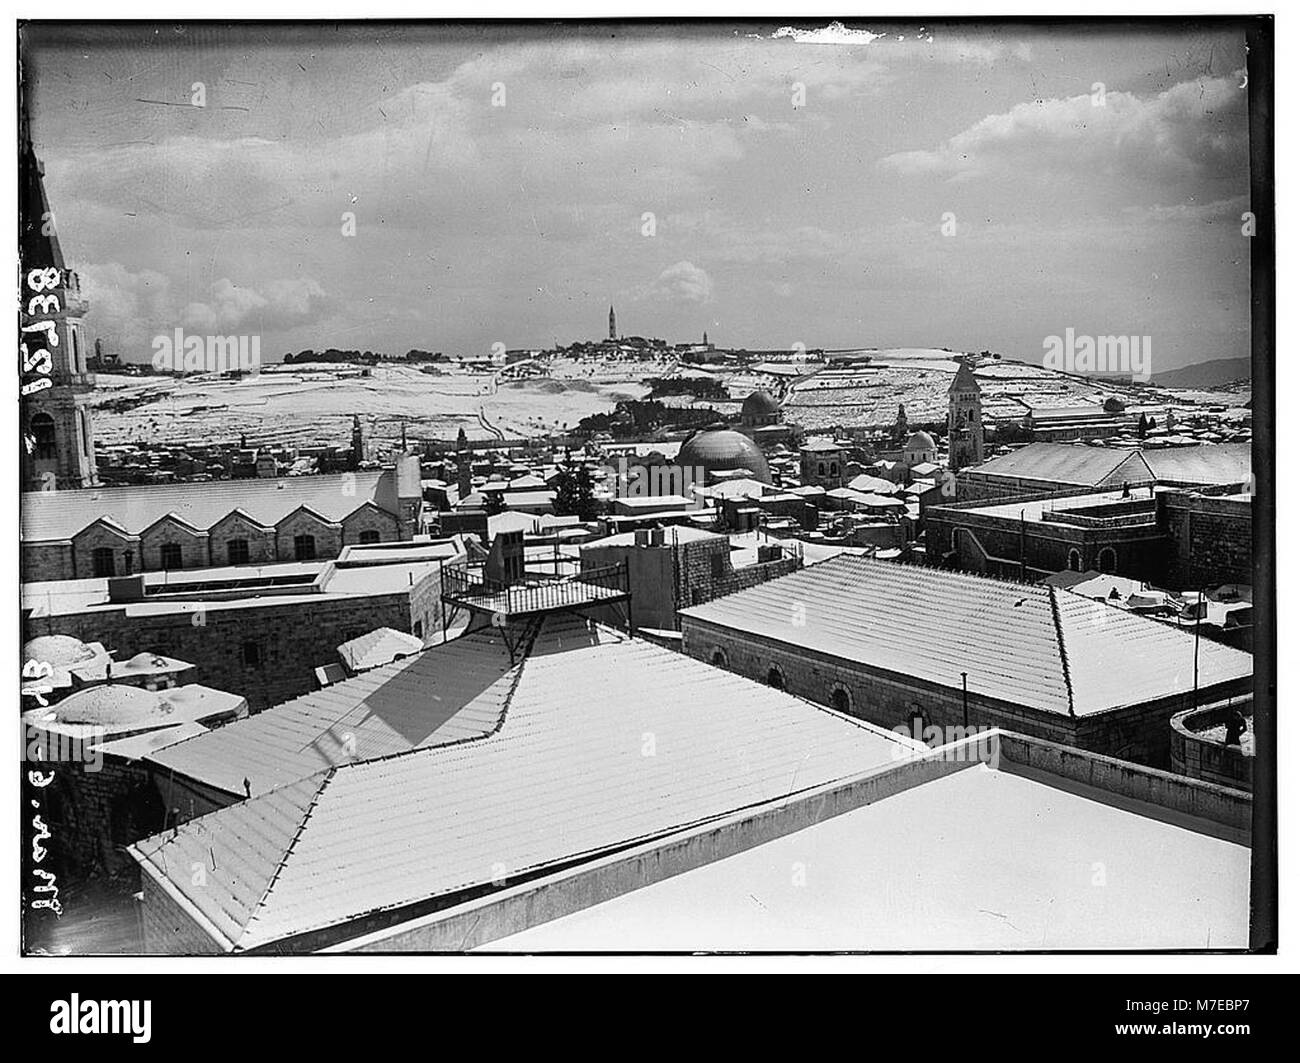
(169, 930)
(1212, 539)
(1139, 733)
(46, 561)
(292, 637)
(1200, 757)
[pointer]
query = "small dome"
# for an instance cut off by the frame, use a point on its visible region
(759, 404)
(58, 650)
(722, 448)
(112, 706)
(921, 441)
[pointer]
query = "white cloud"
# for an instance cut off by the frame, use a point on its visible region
(1194, 129)
(681, 281)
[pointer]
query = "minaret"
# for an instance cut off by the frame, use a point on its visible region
(900, 425)
(613, 330)
(464, 483)
(965, 419)
(58, 441)
(358, 444)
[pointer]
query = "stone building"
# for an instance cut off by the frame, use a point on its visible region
(722, 450)
(759, 410)
(1061, 467)
(118, 531)
(104, 799)
(821, 464)
(1159, 533)
(965, 419)
(259, 631)
(893, 644)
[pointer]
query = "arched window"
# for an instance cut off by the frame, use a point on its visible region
(776, 677)
(1106, 560)
(102, 562)
(369, 535)
(841, 699)
(1074, 561)
(719, 658)
(43, 436)
(237, 552)
(169, 556)
(304, 547)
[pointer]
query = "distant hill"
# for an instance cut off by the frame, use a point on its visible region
(1212, 374)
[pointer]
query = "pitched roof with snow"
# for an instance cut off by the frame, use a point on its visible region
(427, 699)
(59, 515)
(1221, 463)
(605, 741)
(1033, 646)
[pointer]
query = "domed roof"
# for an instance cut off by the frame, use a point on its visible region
(722, 448)
(759, 404)
(58, 650)
(920, 441)
(113, 706)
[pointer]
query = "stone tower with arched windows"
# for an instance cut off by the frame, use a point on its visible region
(58, 443)
(965, 419)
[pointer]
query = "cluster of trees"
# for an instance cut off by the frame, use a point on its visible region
(699, 387)
(573, 493)
(635, 417)
(332, 354)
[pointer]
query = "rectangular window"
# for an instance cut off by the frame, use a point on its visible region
(304, 547)
(237, 552)
(252, 655)
(101, 559)
(170, 556)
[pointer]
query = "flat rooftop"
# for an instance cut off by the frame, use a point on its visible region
(242, 586)
(980, 859)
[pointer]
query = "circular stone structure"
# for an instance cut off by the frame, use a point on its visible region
(58, 650)
(112, 707)
(921, 441)
(716, 449)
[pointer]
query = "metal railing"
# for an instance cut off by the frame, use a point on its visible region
(534, 593)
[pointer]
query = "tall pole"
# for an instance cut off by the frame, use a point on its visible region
(1196, 647)
(1022, 547)
(965, 717)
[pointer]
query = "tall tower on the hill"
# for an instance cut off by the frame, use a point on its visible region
(58, 441)
(613, 329)
(965, 419)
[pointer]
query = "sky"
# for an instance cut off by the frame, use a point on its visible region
(975, 186)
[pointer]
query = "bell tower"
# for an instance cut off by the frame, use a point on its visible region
(58, 442)
(965, 419)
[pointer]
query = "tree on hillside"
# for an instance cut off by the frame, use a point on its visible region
(573, 493)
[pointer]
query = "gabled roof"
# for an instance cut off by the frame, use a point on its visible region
(606, 741)
(426, 699)
(1217, 463)
(172, 518)
(305, 508)
(1066, 464)
(59, 515)
(1034, 646)
(381, 646)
